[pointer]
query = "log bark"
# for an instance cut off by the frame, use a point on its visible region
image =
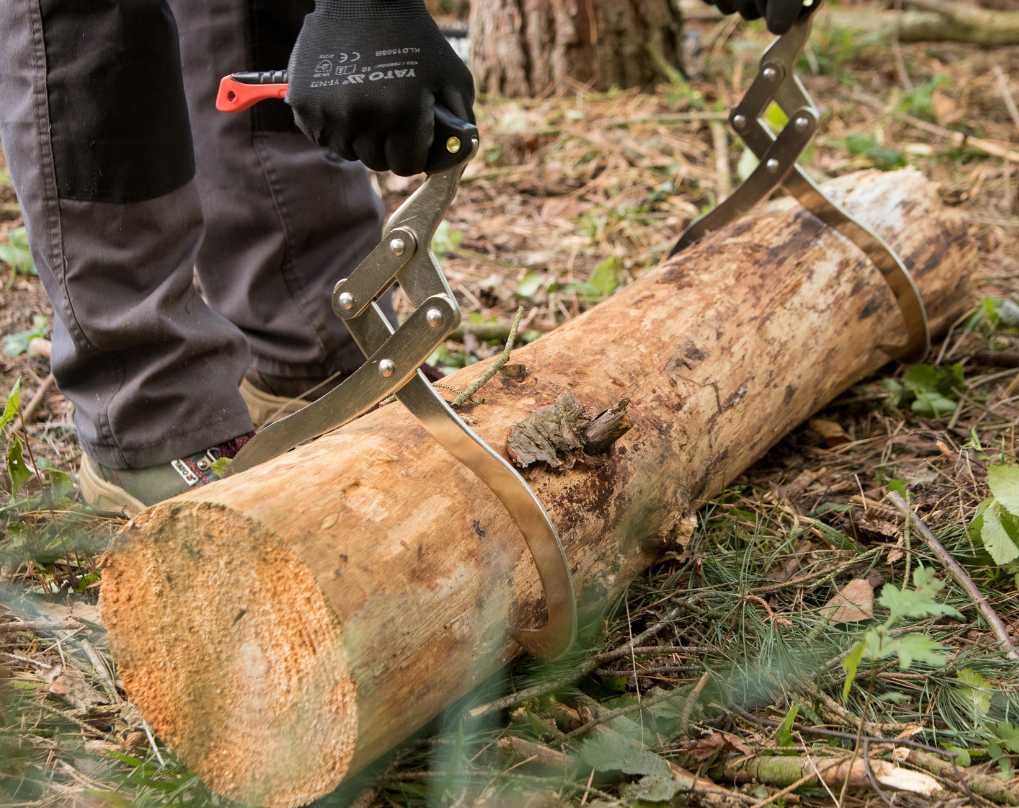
(531, 48)
(926, 21)
(283, 628)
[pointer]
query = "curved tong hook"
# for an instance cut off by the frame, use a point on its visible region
(404, 256)
(395, 355)
(778, 154)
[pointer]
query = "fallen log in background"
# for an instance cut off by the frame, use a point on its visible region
(283, 628)
(925, 21)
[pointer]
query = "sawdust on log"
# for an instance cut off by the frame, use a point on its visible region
(562, 435)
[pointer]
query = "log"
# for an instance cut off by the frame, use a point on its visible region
(926, 21)
(282, 628)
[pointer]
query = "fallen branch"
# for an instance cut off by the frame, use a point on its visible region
(959, 140)
(833, 771)
(991, 788)
(960, 576)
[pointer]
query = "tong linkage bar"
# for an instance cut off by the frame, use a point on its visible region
(394, 358)
(779, 154)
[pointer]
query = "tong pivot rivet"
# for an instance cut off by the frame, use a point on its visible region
(802, 124)
(398, 246)
(773, 165)
(739, 122)
(454, 144)
(387, 367)
(435, 318)
(770, 73)
(346, 301)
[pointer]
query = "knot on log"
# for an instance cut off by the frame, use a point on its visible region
(563, 434)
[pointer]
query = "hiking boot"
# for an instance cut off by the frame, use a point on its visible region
(271, 398)
(131, 491)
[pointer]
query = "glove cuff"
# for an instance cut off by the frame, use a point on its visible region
(371, 9)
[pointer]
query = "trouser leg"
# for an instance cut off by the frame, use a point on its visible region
(284, 220)
(95, 130)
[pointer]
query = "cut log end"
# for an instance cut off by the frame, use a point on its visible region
(286, 708)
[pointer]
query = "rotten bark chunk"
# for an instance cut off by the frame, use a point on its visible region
(563, 434)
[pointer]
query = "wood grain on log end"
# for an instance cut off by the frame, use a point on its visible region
(286, 710)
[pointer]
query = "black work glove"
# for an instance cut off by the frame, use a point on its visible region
(781, 15)
(366, 76)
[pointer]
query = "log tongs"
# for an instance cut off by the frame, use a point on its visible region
(396, 353)
(778, 154)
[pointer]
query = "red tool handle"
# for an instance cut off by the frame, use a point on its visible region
(451, 144)
(242, 91)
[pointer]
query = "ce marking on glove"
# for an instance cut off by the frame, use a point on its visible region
(336, 64)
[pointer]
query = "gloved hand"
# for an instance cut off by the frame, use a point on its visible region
(365, 77)
(781, 15)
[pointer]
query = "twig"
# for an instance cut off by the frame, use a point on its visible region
(1006, 94)
(38, 626)
(961, 577)
(723, 170)
(958, 139)
(33, 405)
(691, 702)
(501, 362)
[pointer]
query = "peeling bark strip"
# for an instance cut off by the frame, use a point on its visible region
(282, 628)
(560, 436)
(529, 48)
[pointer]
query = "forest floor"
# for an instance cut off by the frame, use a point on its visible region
(729, 660)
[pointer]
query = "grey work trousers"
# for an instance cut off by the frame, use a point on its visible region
(130, 182)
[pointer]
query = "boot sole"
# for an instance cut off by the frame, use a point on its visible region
(265, 407)
(104, 496)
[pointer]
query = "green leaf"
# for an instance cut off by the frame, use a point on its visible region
(221, 467)
(16, 253)
(976, 527)
(17, 469)
(532, 283)
(12, 407)
(605, 278)
(882, 157)
(898, 393)
(17, 344)
(917, 648)
(776, 117)
(899, 487)
(447, 240)
(1008, 735)
(926, 582)
(996, 537)
(784, 733)
(1004, 483)
(977, 692)
(609, 752)
(924, 378)
(851, 665)
(997, 754)
(915, 603)
(934, 405)
(962, 756)
(653, 788)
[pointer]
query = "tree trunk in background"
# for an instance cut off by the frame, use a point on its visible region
(448, 8)
(529, 48)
